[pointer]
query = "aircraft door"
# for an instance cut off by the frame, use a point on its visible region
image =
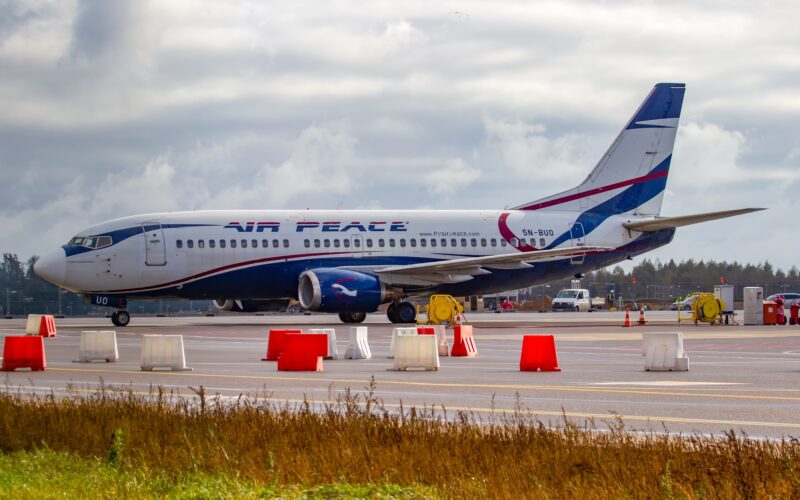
(357, 245)
(578, 240)
(155, 248)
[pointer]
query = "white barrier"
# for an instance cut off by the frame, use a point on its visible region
(441, 340)
(33, 324)
(163, 351)
(98, 345)
(416, 351)
(331, 333)
(664, 352)
(358, 348)
(400, 331)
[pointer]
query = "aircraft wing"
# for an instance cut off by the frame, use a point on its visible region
(457, 270)
(660, 223)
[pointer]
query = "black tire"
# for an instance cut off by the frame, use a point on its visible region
(391, 313)
(120, 318)
(577, 309)
(406, 313)
(352, 317)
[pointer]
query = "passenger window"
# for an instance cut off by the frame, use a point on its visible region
(422, 242)
(503, 243)
(413, 242)
(453, 242)
(244, 243)
(347, 243)
(275, 243)
(542, 243)
(233, 243)
(222, 243)
(433, 242)
(307, 243)
(337, 243)
(357, 243)
(316, 244)
(369, 243)
(494, 242)
(264, 243)
(483, 242)
(402, 242)
(201, 244)
(178, 243)
(463, 242)
(580, 295)
(189, 243)
(523, 242)
(285, 243)
(473, 242)
(444, 242)
(514, 242)
(253, 243)
(381, 243)
(391, 242)
(327, 243)
(212, 243)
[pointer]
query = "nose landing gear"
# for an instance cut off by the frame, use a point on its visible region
(120, 318)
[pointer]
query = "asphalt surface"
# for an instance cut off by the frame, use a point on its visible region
(742, 378)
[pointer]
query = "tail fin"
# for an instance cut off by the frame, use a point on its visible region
(632, 175)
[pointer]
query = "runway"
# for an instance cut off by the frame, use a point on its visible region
(741, 378)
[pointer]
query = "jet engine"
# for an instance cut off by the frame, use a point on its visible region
(252, 305)
(341, 290)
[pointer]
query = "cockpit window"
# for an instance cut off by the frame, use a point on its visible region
(91, 241)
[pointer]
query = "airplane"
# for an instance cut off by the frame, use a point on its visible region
(351, 262)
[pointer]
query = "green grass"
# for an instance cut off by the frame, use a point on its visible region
(159, 445)
(50, 474)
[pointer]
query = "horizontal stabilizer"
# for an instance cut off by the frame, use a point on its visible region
(684, 220)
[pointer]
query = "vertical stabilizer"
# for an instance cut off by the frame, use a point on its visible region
(632, 175)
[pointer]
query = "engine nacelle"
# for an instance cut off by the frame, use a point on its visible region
(252, 305)
(341, 290)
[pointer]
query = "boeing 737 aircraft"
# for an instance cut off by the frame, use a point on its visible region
(351, 262)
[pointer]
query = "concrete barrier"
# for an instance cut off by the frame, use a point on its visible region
(397, 332)
(33, 324)
(358, 347)
(163, 351)
(417, 351)
(441, 340)
(333, 353)
(98, 345)
(664, 352)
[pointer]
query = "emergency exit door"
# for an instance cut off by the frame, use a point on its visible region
(155, 248)
(578, 240)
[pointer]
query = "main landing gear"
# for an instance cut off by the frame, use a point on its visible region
(402, 312)
(352, 317)
(120, 318)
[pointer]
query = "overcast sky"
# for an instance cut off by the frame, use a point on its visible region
(111, 108)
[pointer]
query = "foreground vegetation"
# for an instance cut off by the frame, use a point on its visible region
(117, 443)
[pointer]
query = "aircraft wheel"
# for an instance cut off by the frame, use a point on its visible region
(120, 318)
(391, 313)
(406, 313)
(352, 317)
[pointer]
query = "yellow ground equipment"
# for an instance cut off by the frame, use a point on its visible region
(443, 309)
(706, 308)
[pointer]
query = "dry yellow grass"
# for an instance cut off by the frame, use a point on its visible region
(355, 440)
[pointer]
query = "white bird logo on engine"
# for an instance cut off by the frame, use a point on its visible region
(342, 289)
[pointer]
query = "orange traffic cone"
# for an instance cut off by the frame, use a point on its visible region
(642, 321)
(627, 323)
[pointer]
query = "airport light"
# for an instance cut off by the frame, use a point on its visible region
(9, 293)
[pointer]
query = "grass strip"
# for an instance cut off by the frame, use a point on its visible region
(168, 443)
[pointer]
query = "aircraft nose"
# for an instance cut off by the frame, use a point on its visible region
(52, 267)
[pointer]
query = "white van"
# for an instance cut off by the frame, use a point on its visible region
(572, 299)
